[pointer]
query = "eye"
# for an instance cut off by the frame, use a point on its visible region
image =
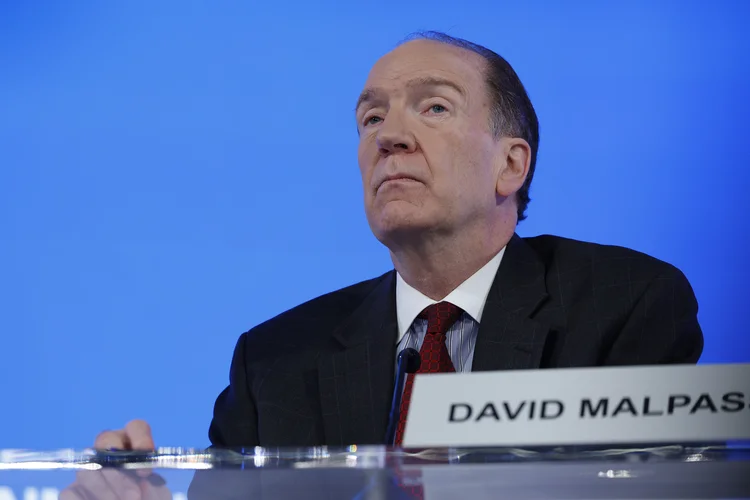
(437, 108)
(372, 120)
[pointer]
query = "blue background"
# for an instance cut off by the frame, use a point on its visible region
(173, 173)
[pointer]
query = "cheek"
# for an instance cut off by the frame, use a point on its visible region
(362, 158)
(367, 155)
(471, 173)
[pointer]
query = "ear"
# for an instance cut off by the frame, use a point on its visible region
(516, 156)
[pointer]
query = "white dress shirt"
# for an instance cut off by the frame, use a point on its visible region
(470, 296)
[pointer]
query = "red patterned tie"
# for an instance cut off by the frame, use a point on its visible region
(434, 353)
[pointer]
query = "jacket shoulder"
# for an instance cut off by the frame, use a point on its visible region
(311, 322)
(565, 254)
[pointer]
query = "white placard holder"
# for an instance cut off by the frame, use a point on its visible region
(646, 404)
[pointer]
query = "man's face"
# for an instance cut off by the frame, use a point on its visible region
(428, 159)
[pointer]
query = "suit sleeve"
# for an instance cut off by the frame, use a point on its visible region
(662, 327)
(235, 419)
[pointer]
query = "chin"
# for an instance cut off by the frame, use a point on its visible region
(393, 224)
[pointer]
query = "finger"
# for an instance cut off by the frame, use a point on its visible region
(123, 484)
(94, 485)
(112, 439)
(139, 435)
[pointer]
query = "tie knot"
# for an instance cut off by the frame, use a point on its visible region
(440, 317)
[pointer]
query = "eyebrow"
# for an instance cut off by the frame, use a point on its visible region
(371, 94)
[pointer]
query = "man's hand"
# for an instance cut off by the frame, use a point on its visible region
(116, 484)
(110, 483)
(135, 436)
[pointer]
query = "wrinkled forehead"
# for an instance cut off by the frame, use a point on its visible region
(425, 59)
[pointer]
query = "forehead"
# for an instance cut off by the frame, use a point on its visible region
(427, 59)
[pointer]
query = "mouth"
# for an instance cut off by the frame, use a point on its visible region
(397, 179)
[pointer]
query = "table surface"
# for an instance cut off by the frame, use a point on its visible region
(375, 472)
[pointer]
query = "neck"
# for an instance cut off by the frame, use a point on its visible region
(437, 266)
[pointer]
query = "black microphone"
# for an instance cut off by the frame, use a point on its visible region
(408, 362)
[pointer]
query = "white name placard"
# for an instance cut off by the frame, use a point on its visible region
(659, 404)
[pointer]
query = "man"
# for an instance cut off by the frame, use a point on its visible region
(448, 146)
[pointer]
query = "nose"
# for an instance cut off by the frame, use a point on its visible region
(394, 136)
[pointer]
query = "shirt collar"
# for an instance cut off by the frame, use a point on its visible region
(471, 296)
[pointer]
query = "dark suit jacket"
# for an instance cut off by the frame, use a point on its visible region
(323, 372)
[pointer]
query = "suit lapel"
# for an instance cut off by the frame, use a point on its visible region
(356, 377)
(509, 337)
